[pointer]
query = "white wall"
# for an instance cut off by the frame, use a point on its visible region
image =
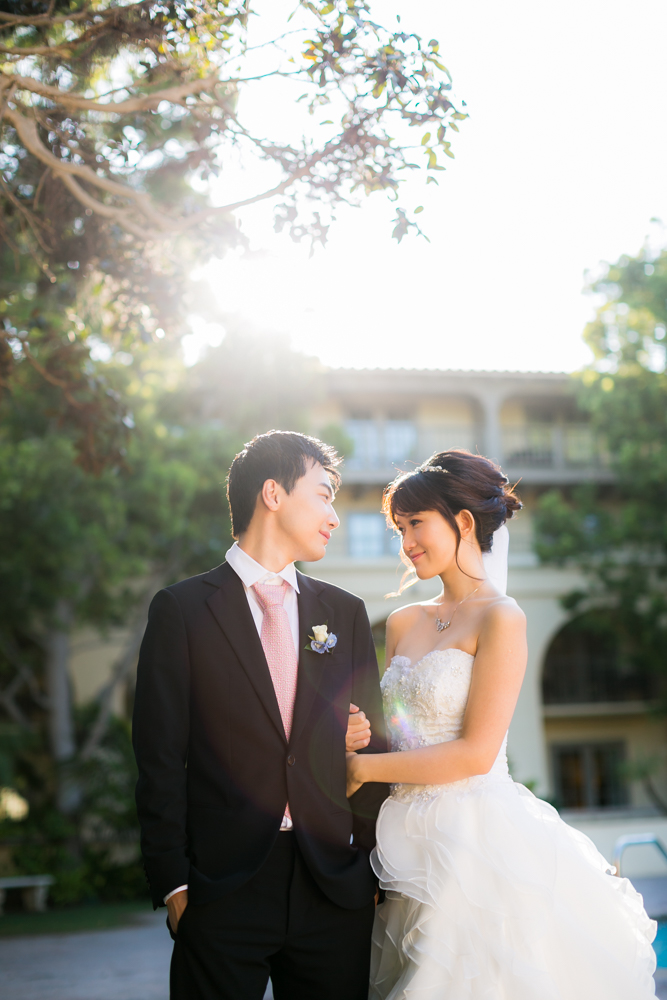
(537, 590)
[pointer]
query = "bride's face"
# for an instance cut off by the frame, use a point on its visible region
(429, 541)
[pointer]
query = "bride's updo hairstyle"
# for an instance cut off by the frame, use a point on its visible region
(449, 482)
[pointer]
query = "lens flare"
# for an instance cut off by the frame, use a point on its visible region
(402, 729)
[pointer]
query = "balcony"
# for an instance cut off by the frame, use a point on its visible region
(383, 447)
(535, 452)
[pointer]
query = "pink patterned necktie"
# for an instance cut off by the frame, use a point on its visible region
(278, 645)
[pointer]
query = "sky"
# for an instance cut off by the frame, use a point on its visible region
(561, 166)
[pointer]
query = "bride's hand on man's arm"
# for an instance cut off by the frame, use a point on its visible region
(499, 668)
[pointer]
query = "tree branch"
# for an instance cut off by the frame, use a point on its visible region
(27, 133)
(104, 25)
(24, 676)
(37, 50)
(29, 216)
(16, 20)
(197, 217)
(51, 379)
(124, 663)
(122, 216)
(10, 706)
(88, 13)
(149, 102)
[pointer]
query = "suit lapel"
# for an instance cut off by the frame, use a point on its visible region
(312, 611)
(229, 605)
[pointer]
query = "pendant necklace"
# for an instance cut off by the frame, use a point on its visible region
(440, 625)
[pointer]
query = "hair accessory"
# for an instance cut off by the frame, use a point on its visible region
(432, 468)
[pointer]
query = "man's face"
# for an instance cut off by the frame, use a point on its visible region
(306, 515)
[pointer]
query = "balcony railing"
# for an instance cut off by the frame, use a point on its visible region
(387, 444)
(551, 446)
(384, 445)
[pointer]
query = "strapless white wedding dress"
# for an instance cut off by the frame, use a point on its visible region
(490, 895)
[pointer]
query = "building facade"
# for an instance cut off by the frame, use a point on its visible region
(582, 720)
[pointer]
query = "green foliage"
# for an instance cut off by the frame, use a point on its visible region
(13, 740)
(617, 534)
(644, 769)
(105, 543)
(336, 435)
(67, 532)
(247, 385)
(95, 855)
(115, 119)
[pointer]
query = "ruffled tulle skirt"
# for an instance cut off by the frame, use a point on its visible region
(491, 896)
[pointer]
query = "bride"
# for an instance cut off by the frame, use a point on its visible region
(489, 894)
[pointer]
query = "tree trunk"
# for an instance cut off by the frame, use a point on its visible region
(123, 665)
(61, 723)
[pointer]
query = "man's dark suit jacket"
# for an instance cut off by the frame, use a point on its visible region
(215, 768)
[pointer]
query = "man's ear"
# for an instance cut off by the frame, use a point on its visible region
(270, 494)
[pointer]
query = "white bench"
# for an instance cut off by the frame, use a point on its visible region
(35, 890)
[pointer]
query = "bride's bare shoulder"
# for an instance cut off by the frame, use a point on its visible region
(503, 612)
(402, 619)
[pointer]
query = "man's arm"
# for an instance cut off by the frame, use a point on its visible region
(160, 733)
(365, 803)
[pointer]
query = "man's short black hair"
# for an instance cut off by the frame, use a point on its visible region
(280, 455)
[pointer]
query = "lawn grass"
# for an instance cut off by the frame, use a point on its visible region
(72, 919)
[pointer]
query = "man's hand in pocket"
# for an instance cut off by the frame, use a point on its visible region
(175, 906)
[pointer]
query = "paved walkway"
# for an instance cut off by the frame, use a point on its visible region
(127, 964)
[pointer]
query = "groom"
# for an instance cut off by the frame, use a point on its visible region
(239, 733)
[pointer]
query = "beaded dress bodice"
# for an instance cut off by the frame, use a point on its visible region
(424, 704)
(489, 894)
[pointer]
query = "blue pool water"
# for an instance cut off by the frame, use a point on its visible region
(660, 944)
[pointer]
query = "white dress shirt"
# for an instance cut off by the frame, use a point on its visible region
(250, 572)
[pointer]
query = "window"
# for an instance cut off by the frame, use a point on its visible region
(366, 535)
(400, 438)
(366, 444)
(378, 444)
(369, 537)
(588, 775)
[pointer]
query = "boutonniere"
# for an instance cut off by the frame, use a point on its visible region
(322, 641)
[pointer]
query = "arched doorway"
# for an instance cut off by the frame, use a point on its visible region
(585, 665)
(591, 686)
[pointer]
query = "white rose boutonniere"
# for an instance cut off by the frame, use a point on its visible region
(322, 641)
